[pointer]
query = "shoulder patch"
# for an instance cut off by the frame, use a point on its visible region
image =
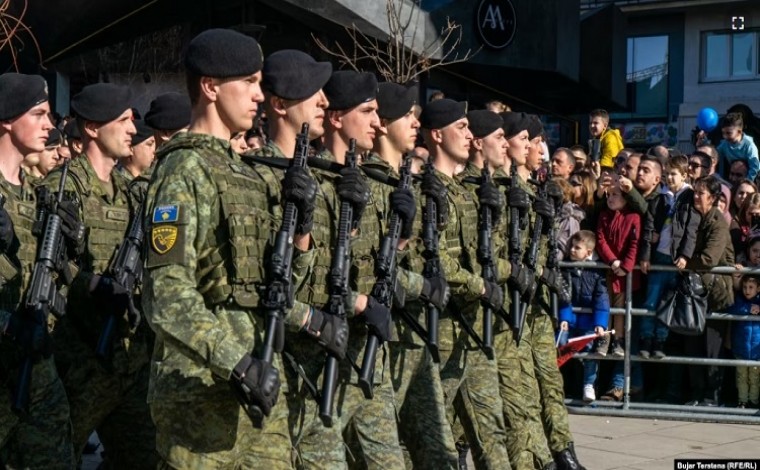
(165, 214)
(163, 238)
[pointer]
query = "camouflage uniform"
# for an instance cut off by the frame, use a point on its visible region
(539, 338)
(478, 407)
(307, 431)
(111, 401)
(42, 438)
(423, 426)
(205, 265)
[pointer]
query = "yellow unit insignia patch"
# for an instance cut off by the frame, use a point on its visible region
(163, 238)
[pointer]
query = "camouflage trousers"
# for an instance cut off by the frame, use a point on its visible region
(316, 445)
(526, 441)
(422, 422)
(40, 439)
(471, 392)
(212, 431)
(113, 402)
(553, 411)
(369, 425)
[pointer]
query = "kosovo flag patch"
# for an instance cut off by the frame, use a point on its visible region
(166, 214)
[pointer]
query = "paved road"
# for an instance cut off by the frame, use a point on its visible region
(606, 443)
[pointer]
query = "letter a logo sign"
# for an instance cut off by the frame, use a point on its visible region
(496, 23)
(493, 18)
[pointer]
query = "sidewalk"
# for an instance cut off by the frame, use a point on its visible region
(648, 444)
(607, 443)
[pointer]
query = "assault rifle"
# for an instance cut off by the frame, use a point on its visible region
(385, 284)
(42, 296)
(515, 257)
(126, 269)
(339, 292)
(485, 258)
(279, 293)
(530, 262)
(432, 267)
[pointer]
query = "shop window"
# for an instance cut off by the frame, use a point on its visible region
(647, 75)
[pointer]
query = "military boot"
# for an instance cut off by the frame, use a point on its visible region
(567, 461)
(571, 448)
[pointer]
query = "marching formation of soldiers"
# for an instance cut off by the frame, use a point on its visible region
(274, 310)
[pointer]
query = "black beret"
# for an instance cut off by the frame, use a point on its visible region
(440, 113)
(19, 93)
(394, 100)
(294, 75)
(222, 53)
(144, 132)
(102, 102)
(169, 112)
(514, 123)
(348, 88)
(483, 122)
(535, 126)
(71, 129)
(54, 139)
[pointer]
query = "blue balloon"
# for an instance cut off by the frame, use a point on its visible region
(707, 119)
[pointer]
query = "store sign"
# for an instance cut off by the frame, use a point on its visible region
(496, 23)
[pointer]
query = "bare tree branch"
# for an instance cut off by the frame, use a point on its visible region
(397, 59)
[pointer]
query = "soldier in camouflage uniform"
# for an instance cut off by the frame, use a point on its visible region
(169, 114)
(479, 409)
(539, 332)
(42, 437)
(207, 230)
(422, 422)
(292, 85)
(105, 396)
(143, 151)
(370, 423)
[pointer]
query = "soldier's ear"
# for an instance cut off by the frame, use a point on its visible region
(335, 118)
(436, 135)
(208, 88)
(477, 144)
(91, 129)
(277, 105)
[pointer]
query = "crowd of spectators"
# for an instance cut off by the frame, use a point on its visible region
(635, 211)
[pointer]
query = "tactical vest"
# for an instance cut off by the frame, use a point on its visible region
(326, 215)
(233, 267)
(106, 225)
(16, 267)
(462, 229)
(366, 246)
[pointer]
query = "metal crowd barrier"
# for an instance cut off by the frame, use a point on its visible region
(626, 408)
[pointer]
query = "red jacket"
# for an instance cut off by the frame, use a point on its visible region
(617, 238)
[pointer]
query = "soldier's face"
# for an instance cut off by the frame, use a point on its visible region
(519, 146)
(361, 123)
(403, 132)
(115, 138)
(143, 153)
(456, 140)
(310, 110)
(495, 148)
(49, 159)
(29, 131)
(535, 154)
(238, 100)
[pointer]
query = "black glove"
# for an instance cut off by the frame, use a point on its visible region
(352, 187)
(555, 193)
(490, 196)
(435, 290)
(6, 230)
(433, 187)
(112, 293)
(403, 203)
(330, 331)
(378, 318)
(71, 226)
(544, 208)
(521, 278)
(494, 295)
(518, 198)
(300, 188)
(256, 383)
(552, 278)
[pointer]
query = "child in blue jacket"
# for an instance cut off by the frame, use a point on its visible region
(736, 145)
(589, 290)
(745, 342)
